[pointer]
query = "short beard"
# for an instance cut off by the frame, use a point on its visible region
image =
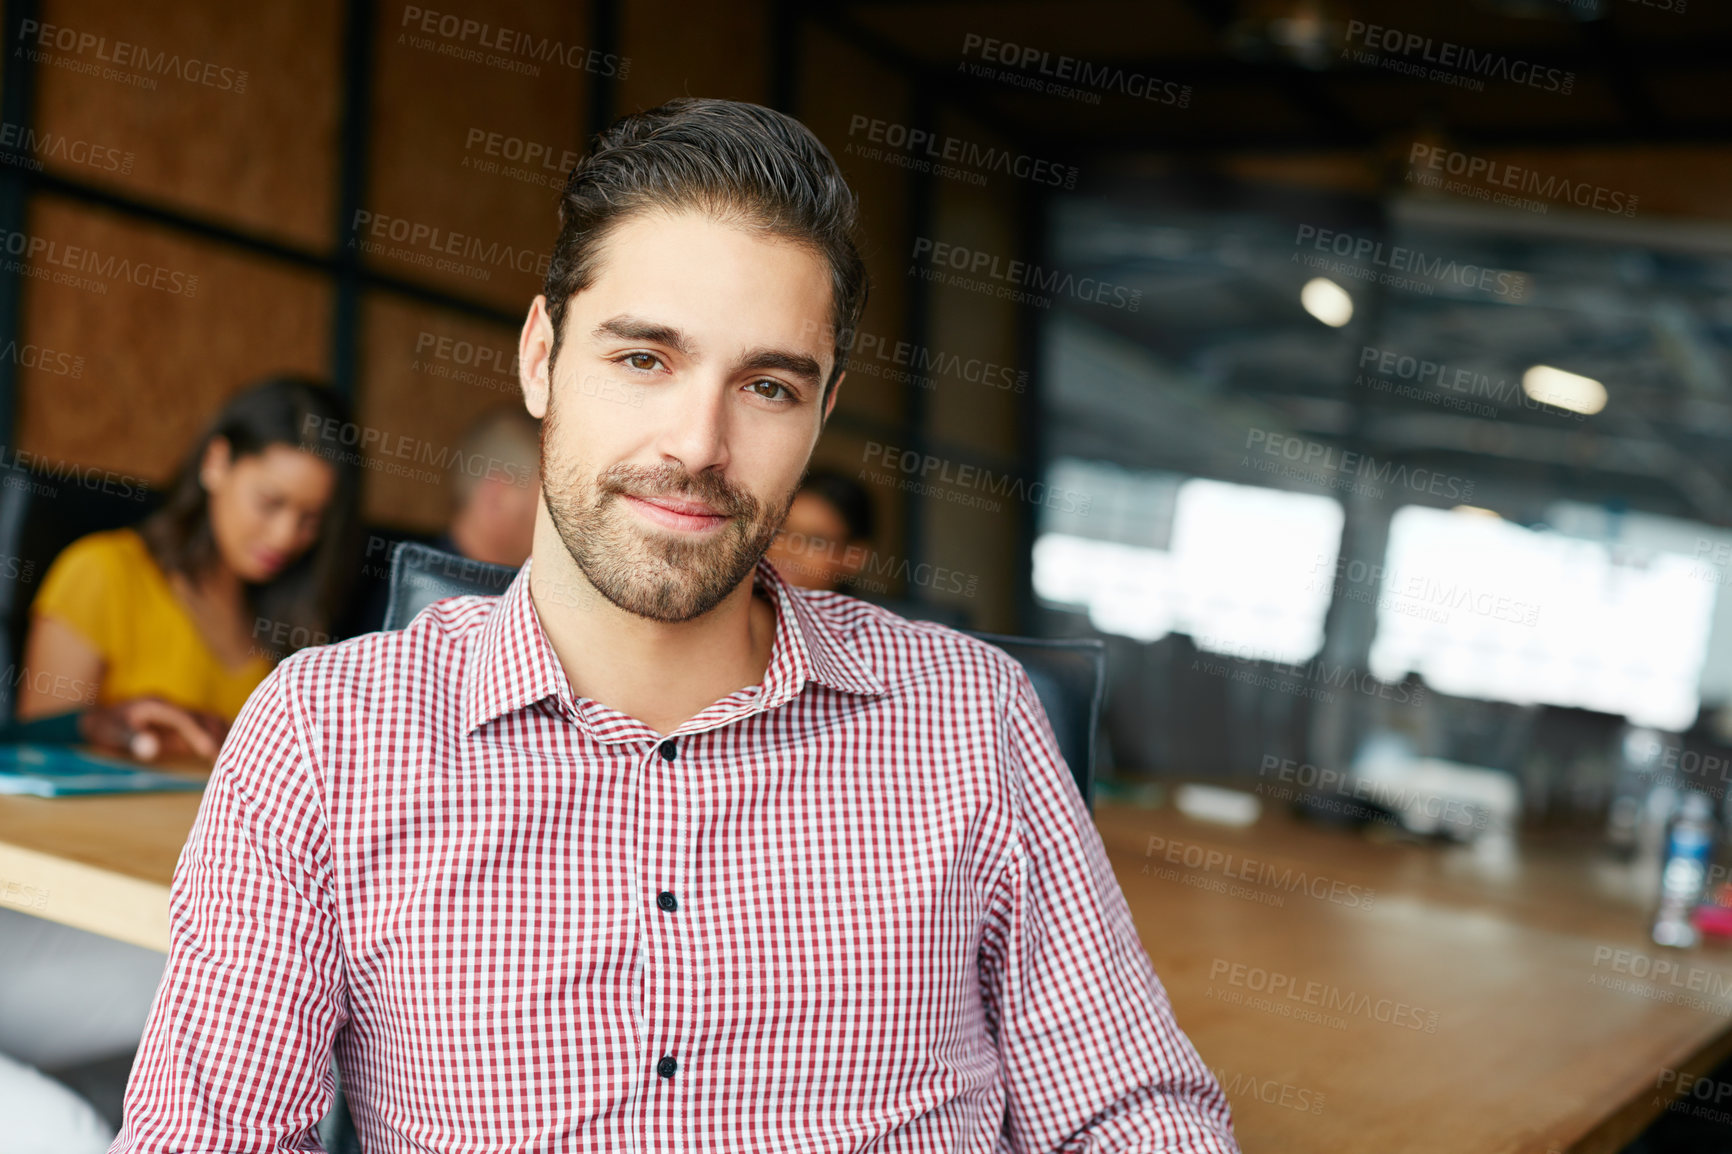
(649, 574)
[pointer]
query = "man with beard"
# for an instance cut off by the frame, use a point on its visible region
(656, 849)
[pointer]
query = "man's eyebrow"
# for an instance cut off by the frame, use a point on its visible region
(629, 328)
(798, 364)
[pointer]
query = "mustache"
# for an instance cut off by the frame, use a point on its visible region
(713, 492)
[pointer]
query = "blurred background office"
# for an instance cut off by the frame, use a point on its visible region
(1357, 370)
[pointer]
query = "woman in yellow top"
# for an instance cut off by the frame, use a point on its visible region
(174, 624)
(249, 557)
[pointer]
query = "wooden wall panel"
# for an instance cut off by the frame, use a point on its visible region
(974, 336)
(227, 111)
(156, 351)
(682, 49)
(475, 129)
(839, 84)
(966, 524)
(426, 375)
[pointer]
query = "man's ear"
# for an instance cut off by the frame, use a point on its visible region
(534, 348)
(829, 404)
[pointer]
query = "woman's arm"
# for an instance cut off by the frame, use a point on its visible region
(62, 671)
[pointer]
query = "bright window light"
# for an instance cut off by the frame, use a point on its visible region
(1248, 573)
(1327, 301)
(1481, 607)
(1563, 390)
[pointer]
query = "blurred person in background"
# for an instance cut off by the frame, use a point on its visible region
(828, 533)
(174, 623)
(495, 484)
(826, 543)
(245, 562)
(495, 488)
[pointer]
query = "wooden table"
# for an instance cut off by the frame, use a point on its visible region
(1472, 1004)
(1482, 1001)
(99, 863)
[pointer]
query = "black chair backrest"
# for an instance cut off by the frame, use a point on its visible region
(1068, 676)
(40, 515)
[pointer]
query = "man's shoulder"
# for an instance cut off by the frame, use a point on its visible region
(433, 645)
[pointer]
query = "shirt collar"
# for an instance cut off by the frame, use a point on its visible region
(513, 665)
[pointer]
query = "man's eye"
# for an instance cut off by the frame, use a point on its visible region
(773, 385)
(643, 362)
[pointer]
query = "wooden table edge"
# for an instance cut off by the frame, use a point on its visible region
(85, 897)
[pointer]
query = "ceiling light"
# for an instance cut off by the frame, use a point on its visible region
(1563, 390)
(1327, 301)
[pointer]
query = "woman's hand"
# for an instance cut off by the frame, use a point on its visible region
(149, 727)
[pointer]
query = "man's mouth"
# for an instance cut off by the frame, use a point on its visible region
(675, 513)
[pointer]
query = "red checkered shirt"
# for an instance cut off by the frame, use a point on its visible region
(858, 905)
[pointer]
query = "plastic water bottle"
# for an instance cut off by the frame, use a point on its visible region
(1686, 868)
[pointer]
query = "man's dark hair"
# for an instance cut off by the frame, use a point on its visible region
(741, 163)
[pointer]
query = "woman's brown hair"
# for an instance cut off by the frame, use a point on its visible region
(304, 600)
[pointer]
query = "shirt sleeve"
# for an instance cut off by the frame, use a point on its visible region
(83, 589)
(1091, 1054)
(236, 1054)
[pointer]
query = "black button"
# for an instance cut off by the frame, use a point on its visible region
(665, 900)
(666, 1067)
(670, 750)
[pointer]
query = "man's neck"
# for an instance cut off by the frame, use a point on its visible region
(660, 673)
